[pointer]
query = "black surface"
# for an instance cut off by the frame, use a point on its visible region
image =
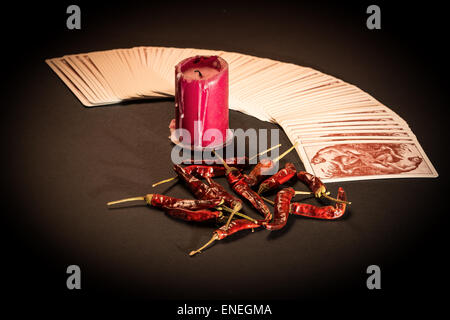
(63, 162)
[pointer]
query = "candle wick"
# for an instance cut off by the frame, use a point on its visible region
(199, 73)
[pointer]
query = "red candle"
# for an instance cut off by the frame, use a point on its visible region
(201, 100)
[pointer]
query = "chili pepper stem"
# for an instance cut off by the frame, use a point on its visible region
(325, 195)
(238, 214)
(164, 181)
(334, 199)
(265, 151)
(214, 238)
(125, 200)
(236, 208)
(268, 200)
(225, 164)
(262, 189)
(285, 153)
(303, 192)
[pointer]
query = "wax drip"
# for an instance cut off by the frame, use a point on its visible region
(199, 73)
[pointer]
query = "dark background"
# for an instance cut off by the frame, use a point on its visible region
(62, 162)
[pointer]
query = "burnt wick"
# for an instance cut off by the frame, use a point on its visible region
(199, 73)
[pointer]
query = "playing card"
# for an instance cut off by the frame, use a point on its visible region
(69, 83)
(87, 77)
(77, 80)
(358, 160)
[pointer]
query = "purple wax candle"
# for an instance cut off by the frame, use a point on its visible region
(201, 100)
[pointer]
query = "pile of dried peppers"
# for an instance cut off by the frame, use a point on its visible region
(212, 199)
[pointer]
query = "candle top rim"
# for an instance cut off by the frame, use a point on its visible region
(200, 61)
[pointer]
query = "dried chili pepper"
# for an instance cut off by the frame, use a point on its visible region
(327, 212)
(258, 172)
(317, 186)
(185, 209)
(238, 183)
(263, 167)
(238, 162)
(180, 207)
(243, 189)
(198, 188)
(191, 215)
(314, 183)
(166, 202)
(206, 171)
(282, 208)
(199, 171)
(224, 231)
(204, 168)
(213, 191)
(230, 200)
(278, 178)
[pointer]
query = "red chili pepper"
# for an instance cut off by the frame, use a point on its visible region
(238, 162)
(238, 183)
(264, 167)
(242, 162)
(243, 189)
(279, 178)
(190, 215)
(327, 212)
(223, 232)
(314, 183)
(199, 171)
(205, 171)
(198, 188)
(213, 191)
(282, 208)
(230, 200)
(259, 171)
(166, 202)
(188, 210)
(235, 226)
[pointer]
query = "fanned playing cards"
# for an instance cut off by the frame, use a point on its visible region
(342, 132)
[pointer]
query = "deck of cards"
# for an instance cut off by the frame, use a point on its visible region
(342, 132)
